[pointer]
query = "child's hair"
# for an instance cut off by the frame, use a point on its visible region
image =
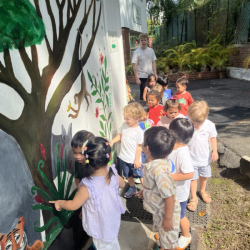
(144, 105)
(198, 112)
(143, 36)
(183, 129)
(160, 141)
(97, 153)
(80, 137)
(158, 88)
(183, 81)
(150, 76)
(134, 110)
(171, 103)
(162, 80)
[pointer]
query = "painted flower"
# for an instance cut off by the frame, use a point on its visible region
(69, 107)
(101, 58)
(69, 165)
(42, 151)
(38, 199)
(96, 112)
(61, 152)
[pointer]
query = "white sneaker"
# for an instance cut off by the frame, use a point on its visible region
(184, 242)
(137, 181)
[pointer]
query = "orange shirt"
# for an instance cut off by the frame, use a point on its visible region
(185, 101)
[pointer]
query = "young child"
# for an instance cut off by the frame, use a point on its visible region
(159, 190)
(155, 110)
(131, 137)
(98, 196)
(150, 84)
(184, 98)
(160, 89)
(172, 108)
(183, 172)
(205, 131)
(145, 123)
(76, 144)
(167, 93)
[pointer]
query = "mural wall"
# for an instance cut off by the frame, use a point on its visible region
(59, 73)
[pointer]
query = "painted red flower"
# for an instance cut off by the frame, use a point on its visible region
(42, 151)
(101, 58)
(61, 152)
(69, 165)
(96, 112)
(38, 199)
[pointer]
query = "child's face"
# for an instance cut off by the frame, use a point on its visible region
(78, 155)
(172, 113)
(151, 83)
(130, 121)
(152, 101)
(145, 116)
(180, 88)
(144, 42)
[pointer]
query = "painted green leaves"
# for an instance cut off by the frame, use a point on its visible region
(101, 91)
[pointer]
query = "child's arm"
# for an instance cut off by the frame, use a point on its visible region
(167, 223)
(214, 148)
(137, 163)
(145, 94)
(81, 196)
(116, 139)
(182, 176)
(121, 182)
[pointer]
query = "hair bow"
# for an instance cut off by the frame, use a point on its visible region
(173, 98)
(84, 146)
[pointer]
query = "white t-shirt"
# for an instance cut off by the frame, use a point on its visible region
(199, 144)
(183, 164)
(144, 58)
(130, 138)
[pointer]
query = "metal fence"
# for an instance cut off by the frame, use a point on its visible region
(229, 18)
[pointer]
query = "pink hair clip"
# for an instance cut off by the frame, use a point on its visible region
(86, 156)
(84, 146)
(107, 155)
(173, 98)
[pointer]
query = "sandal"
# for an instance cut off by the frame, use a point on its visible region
(192, 205)
(205, 196)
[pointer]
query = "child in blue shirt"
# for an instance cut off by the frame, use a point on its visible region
(167, 93)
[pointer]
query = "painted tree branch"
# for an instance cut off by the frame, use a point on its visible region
(6, 124)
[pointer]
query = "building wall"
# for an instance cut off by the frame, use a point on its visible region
(237, 60)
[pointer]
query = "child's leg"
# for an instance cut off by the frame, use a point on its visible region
(204, 173)
(192, 205)
(184, 224)
(131, 181)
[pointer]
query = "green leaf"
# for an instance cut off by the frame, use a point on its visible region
(101, 124)
(58, 169)
(89, 76)
(105, 63)
(100, 88)
(101, 133)
(64, 174)
(98, 100)
(105, 129)
(107, 88)
(103, 75)
(94, 92)
(69, 187)
(54, 228)
(109, 115)
(107, 79)
(43, 193)
(110, 127)
(107, 99)
(103, 117)
(42, 207)
(102, 83)
(95, 83)
(92, 85)
(43, 228)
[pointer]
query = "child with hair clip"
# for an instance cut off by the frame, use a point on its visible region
(199, 148)
(167, 93)
(98, 195)
(184, 98)
(155, 110)
(172, 108)
(159, 190)
(160, 89)
(150, 84)
(183, 172)
(131, 137)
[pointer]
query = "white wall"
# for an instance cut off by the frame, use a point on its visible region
(127, 15)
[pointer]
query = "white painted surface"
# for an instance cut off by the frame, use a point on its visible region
(238, 73)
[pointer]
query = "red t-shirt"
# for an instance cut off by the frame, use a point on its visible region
(156, 113)
(185, 101)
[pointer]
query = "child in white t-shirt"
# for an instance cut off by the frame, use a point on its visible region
(183, 172)
(131, 137)
(199, 148)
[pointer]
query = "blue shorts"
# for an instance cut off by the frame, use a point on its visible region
(143, 158)
(128, 169)
(183, 208)
(204, 171)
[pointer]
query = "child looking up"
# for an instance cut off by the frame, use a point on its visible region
(150, 84)
(155, 110)
(183, 172)
(79, 138)
(101, 205)
(205, 131)
(131, 137)
(159, 190)
(172, 108)
(167, 93)
(184, 98)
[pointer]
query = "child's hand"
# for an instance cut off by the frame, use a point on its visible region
(138, 81)
(56, 203)
(215, 156)
(137, 164)
(139, 194)
(167, 225)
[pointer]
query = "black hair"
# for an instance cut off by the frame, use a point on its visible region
(144, 105)
(97, 152)
(160, 141)
(80, 137)
(183, 129)
(155, 93)
(171, 103)
(162, 80)
(149, 77)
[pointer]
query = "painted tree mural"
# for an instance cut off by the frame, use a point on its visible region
(32, 130)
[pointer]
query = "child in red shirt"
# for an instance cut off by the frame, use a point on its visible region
(184, 98)
(155, 110)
